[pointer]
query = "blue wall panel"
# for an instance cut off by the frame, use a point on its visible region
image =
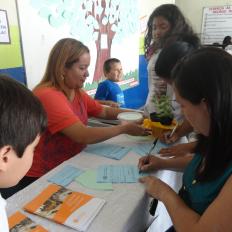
(136, 97)
(16, 73)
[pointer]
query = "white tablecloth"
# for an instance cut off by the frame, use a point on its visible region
(127, 207)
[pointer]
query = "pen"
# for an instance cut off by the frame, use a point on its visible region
(149, 153)
(153, 206)
(173, 131)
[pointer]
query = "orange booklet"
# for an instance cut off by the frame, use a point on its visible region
(73, 209)
(20, 222)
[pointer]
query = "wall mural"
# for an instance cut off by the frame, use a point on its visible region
(110, 28)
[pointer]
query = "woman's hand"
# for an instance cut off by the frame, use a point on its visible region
(135, 129)
(150, 163)
(178, 150)
(166, 138)
(183, 129)
(155, 187)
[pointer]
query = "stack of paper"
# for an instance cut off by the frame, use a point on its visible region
(117, 174)
(108, 150)
(65, 176)
(88, 179)
(73, 209)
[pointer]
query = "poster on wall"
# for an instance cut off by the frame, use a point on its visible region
(11, 62)
(110, 28)
(4, 27)
(216, 24)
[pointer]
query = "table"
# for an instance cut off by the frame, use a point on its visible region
(127, 206)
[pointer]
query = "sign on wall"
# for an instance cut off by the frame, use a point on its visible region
(11, 61)
(216, 24)
(4, 27)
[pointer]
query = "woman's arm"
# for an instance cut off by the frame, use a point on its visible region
(152, 163)
(182, 130)
(80, 133)
(178, 150)
(217, 216)
(111, 112)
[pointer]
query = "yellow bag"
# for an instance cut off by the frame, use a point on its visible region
(157, 128)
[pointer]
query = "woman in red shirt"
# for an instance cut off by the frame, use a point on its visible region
(68, 108)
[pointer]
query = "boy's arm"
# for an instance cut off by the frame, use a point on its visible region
(109, 103)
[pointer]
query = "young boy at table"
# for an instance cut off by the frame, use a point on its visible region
(108, 91)
(22, 120)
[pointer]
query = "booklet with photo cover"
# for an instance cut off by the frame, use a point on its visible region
(19, 222)
(74, 209)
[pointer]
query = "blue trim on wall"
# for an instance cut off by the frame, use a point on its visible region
(16, 73)
(136, 97)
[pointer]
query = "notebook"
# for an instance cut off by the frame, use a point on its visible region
(74, 209)
(18, 222)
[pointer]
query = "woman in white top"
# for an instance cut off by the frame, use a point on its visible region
(165, 25)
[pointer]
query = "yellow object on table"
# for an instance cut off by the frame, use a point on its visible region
(157, 128)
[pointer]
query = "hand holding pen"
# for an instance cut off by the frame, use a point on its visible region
(154, 202)
(170, 137)
(146, 159)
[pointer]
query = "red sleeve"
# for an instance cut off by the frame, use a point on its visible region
(58, 109)
(93, 107)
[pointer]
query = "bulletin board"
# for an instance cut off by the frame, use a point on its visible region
(216, 24)
(4, 27)
(11, 61)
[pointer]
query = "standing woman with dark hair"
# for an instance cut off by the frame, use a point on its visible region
(169, 56)
(202, 84)
(165, 25)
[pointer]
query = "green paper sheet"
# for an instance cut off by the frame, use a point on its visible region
(88, 179)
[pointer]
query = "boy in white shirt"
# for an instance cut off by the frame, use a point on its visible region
(22, 120)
